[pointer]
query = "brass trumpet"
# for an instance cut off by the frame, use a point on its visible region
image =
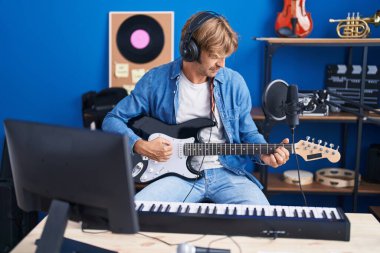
(355, 27)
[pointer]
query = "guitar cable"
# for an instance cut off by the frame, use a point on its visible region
(200, 166)
(298, 169)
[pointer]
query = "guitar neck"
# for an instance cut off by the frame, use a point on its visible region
(208, 149)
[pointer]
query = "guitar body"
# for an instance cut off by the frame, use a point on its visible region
(146, 170)
(185, 142)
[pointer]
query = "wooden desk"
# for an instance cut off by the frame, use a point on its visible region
(365, 237)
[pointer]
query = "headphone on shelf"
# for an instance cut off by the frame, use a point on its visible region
(188, 46)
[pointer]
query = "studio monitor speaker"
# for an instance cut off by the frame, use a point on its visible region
(373, 164)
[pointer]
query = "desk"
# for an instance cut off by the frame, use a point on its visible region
(365, 237)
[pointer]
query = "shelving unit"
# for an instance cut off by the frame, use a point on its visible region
(273, 183)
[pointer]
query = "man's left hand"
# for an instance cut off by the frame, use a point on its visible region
(278, 158)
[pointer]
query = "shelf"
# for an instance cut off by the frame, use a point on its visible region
(321, 41)
(258, 114)
(277, 184)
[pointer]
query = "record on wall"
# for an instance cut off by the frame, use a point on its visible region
(140, 38)
(138, 41)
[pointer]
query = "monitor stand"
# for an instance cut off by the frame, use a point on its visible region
(52, 239)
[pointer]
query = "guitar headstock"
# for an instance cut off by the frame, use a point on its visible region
(309, 150)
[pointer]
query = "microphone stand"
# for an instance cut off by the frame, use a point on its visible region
(321, 98)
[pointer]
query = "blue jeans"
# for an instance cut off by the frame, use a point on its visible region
(217, 185)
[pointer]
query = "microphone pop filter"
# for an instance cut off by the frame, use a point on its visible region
(274, 99)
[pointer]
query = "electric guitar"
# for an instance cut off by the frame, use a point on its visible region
(186, 145)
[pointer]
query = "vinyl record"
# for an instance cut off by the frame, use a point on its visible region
(140, 39)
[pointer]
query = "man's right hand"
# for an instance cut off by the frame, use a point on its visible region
(158, 149)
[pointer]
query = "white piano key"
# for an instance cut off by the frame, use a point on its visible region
(306, 212)
(327, 212)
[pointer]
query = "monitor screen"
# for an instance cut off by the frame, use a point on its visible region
(88, 171)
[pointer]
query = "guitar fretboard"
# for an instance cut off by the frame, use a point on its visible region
(208, 149)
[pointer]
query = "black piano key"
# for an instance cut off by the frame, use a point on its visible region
(215, 210)
(275, 212)
(227, 211)
(199, 209)
(152, 207)
(333, 215)
(160, 208)
(324, 214)
(187, 209)
(295, 213)
(167, 209)
(303, 213)
(235, 211)
(247, 211)
(207, 210)
(312, 214)
(283, 214)
(254, 211)
(262, 212)
(179, 209)
(141, 207)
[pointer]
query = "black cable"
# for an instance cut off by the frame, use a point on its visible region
(199, 169)
(298, 169)
(226, 236)
(168, 243)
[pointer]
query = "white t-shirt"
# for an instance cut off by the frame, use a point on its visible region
(194, 102)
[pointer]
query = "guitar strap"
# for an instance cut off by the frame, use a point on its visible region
(212, 99)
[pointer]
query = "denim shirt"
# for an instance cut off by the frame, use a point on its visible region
(156, 95)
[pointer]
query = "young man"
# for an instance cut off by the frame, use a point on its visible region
(198, 85)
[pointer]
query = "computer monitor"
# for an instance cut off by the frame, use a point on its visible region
(78, 174)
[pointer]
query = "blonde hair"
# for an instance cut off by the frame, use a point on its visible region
(214, 36)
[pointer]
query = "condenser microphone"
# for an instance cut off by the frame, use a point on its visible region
(291, 106)
(188, 248)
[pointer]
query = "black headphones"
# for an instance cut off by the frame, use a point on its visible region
(188, 47)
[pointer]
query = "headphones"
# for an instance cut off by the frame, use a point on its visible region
(188, 47)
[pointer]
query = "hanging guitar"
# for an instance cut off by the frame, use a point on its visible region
(185, 145)
(293, 21)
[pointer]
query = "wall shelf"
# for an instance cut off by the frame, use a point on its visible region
(274, 183)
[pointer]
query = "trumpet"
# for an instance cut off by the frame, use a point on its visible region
(355, 27)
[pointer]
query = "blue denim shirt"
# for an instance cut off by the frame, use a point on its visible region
(156, 95)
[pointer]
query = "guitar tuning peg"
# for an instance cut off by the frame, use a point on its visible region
(331, 145)
(337, 148)
(313, 140)
(307, 138)
(325, 144)
(319, 142)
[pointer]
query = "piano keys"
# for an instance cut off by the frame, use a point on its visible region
(325, 223)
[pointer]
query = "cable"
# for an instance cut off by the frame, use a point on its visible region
(198, 170)
(226, 236)
(298, 169)
(168, 243)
